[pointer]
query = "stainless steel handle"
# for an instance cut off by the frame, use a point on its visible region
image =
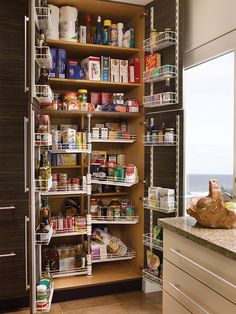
(26, 254)
(199, 307)
(25, 154)
(8, 255)
(25, 30)
(203, 268)
(7, 207)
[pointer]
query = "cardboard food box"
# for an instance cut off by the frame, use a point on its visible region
(115, 70)
(66, 159)
(53, 71)
(153, 196)
(73, 69)
(167, 198)
(96, 98)
(92, 69)
(62, 63)
(124, 71)
(152, 61)
(105, 69)
(98, 156)
(82, 34)
(134, 70)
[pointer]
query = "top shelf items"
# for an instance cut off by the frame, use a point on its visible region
(159, 41)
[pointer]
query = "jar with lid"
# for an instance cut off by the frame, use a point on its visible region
(83, 95)
(153, 39)
(94, 207)
(44, 123)
(169, 137)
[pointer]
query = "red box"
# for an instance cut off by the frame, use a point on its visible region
(133, 105)
(153, 61)
(106, 98)
(134, 70)
(96, 98)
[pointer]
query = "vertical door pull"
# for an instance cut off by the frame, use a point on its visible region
(25, 47)
(26, 189)
(26, 253)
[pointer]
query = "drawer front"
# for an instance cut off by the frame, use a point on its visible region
(12, 274)
(13, 208)
(194, 295)
(170, 305)
(209, 267)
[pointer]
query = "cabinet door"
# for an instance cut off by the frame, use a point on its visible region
(13, 109)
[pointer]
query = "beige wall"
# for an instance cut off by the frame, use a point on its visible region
(206, 20)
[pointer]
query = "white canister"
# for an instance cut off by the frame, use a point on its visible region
(68, 23)
(169, 136)
(53, 32)
(95, 133)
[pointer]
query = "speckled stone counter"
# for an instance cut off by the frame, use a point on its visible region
(222, 241)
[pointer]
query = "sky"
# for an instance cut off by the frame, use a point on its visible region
(209, 114)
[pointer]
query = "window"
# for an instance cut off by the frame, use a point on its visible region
(209, 124)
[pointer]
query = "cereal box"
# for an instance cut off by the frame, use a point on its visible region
(153, 61)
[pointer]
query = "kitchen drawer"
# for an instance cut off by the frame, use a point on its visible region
(193, 294)
(211, 268)
(13, 272)
(13, 208)
(171, 306)
(12, 234)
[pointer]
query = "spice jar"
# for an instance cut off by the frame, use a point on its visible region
(169, 136)
(83, 95)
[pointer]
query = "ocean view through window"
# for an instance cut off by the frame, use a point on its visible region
(209, 125)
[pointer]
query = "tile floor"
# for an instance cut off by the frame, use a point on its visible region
(134, 302)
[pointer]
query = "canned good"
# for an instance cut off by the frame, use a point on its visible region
(111, 158)
(111, 169)
(119, 174)
(95, 133)
(117, 213)
(53, 222)
(110, 213)
(70, 223)
(124, 205)
(102, 172)
(80, 223)
(60, 223)
(129, 213)
(104, 133)
(94, 168)
(120, 159)
(130, 175)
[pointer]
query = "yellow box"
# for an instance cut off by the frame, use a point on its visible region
(66, 160)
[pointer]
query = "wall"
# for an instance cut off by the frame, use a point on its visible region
(206, 20)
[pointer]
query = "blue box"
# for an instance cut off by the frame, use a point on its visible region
(62, 63)
(53, 71)
(105, 67)
(73, 69)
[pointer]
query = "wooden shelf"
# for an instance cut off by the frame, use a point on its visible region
(102, 274)
(66, 167)
(100, 114)
(84, 50)
(69, 84)
(109, 194)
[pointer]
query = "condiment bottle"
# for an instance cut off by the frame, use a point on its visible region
(88, 30)
(107, 33)
(114, 35)
(98, 38)
(120, 28)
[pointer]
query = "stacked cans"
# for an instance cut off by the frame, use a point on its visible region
(61, 182)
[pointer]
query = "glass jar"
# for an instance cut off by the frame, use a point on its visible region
(83, 95)
(94, 207)
(44, 123)
(169, 136)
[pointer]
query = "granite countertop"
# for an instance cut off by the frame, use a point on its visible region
(222, 241)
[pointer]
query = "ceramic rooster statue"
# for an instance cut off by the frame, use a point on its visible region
(212, 211)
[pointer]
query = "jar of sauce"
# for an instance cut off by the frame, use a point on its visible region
(169, 136)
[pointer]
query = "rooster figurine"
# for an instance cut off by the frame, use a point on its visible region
(212, 211)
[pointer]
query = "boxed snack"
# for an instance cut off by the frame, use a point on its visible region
(124, 71)
(152, 61)
(106, 98)
(98, 250)
(91, 67)
(95, 98)
(167, 198)
(119, 107)
(53, 72)
(98, 156)
(134, 70)
(62, 63)
(66, 159)
(81, 140)
(105, 69)
(153, 196)
(133, 105)
(118, 98)
(68, 138)
(73, 69)
(115, 70)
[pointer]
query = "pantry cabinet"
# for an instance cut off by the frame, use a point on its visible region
(14, 203)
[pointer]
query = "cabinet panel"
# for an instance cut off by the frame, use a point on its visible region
(194, 295)
(170, 305)
(201, 263)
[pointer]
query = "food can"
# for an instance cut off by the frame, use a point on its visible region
(110, 213)
(65, 228)
(70, 223)
(120, 159)
(60, 223)
(103, 172)
(129, 213)
(94, 168)
(111, 169)
(130, 173)
(117, 212)
(80, 223)
(119, 174)
(124, 204)
(53, 222)
(111, 158)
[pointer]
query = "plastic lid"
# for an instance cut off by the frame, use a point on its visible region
(113, 25)
(82, 91)
(107, 23)
(41, 288)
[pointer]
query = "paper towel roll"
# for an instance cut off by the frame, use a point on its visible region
(53, 33)
(68, 23)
